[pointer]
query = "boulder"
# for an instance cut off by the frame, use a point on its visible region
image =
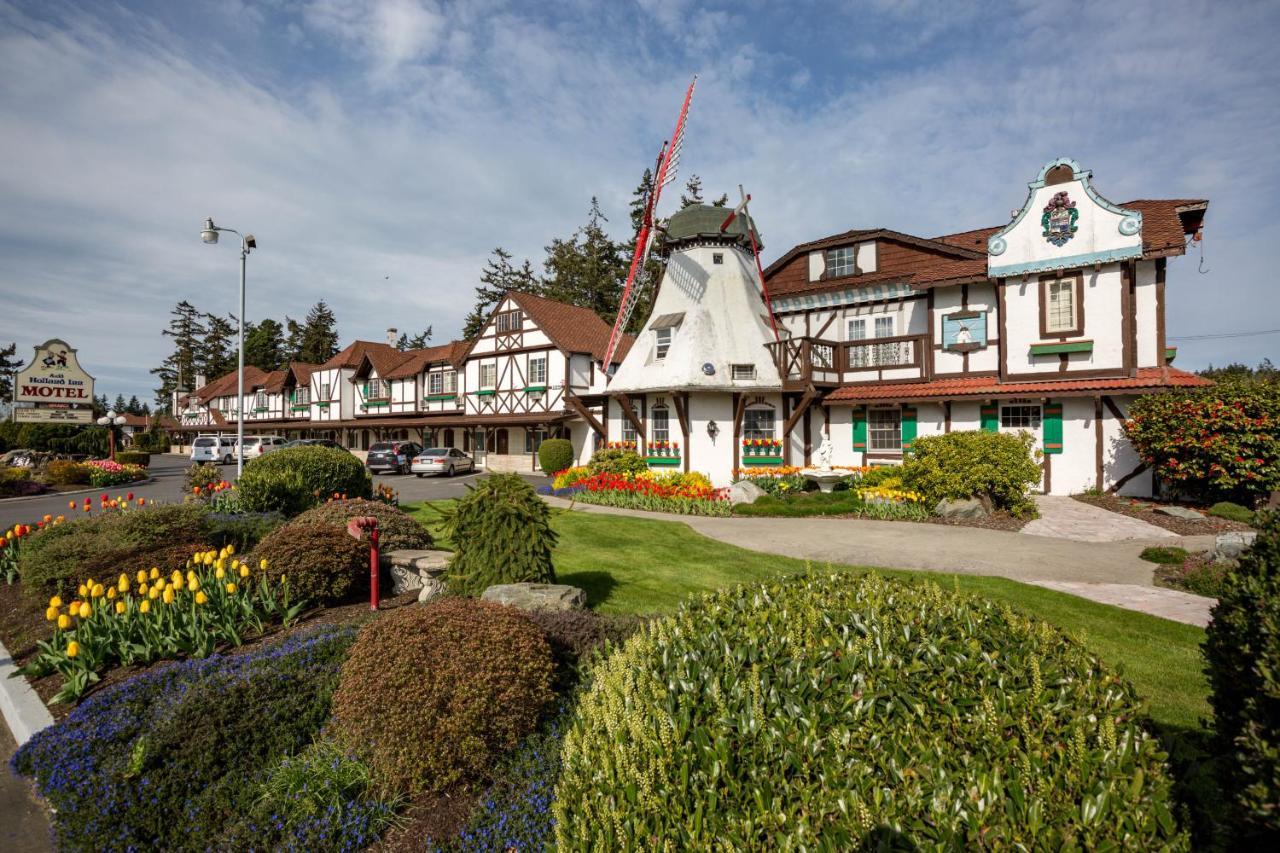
(411, 569)
(432, 588)
(1228, 547)
(966, 508)
(1180, 512)
(537, 597)
(744, 492)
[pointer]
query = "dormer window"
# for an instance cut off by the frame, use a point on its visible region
(841, 262)
(510, 321)
(662, 342)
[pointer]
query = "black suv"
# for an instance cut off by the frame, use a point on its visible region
(394, 456)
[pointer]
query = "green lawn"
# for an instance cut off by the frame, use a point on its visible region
(640, 565)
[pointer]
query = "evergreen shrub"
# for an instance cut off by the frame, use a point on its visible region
(165, 760)
(434, 695)
(243, 531)
(1232, 512)
(996, 466)
(64, 472)
(397, 530)
(501, 533)
(294, 479)
(322, 562)
(616, 461)
(1242, 653)
(555, 455)
(846, 712)
(133, 457)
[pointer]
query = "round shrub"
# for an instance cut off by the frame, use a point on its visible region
(322, 562)
(201, 476)
(397, 530)
(848, 712)
(431, 696)
(974, 464)
(295, 479)
(555, 455)
(616, 461)
(1242, 653)
(64, 472)
(501, 532)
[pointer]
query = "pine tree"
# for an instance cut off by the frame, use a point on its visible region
(219, 350)
(420, 341)
(178, 371)
(120, 407)
(146, 410)
(264, 345)
(133, 407)
(293, 340)
(319, 338)
(587, 269)
(99, 406)
(498, 277)
(692, 192)
(9, 367)
(402, 342)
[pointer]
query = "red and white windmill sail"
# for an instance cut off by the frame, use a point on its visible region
(668, 163)
(741, 210)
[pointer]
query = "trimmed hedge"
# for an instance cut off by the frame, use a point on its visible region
(431, 696)
(294, 479)
(64, 472)
(555, 455)
(615, 461)
(501, 533)
(133, 457)
(843, 712)
(322, 562)
(974, 464)
(1242, 654)
(396, 529)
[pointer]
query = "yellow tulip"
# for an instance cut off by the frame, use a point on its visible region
(120, 608)
(219, 573)
(64, 621)
(56, 601)
(154, 573)
(191, 574)
(193, 584)
(142, 576)
(123, 583)
(231, 549)
(262, 564)
(144, 607)
(283, 579)
(73, 649)
(231, 588)
(154, 592)
(168, 596)
(82, 590)
(91, 583)
(97, 591)
(142, 589)
(85, 610)
(201, 598)
(244, 571)
(51, 614)
(111, 593)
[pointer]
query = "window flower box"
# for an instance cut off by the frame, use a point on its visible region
(620, 445)
(433, 398)
(761, 447)
(761, 460)
(663, 453)
(663, 460)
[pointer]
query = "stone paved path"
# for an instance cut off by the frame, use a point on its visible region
(1158, 601)
(1065, 518)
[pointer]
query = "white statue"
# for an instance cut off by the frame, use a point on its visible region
(824, 454)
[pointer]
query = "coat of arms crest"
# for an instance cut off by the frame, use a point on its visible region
(1059, 219)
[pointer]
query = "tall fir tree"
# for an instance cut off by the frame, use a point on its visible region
(264, 345)
(293, 339)
(9, 367)
(498, 277)
(319, 338)
(178, 371)
(120, 407)
(588, 268)
(404, 342)
(219, 350)
(133, 407)
(692, 192)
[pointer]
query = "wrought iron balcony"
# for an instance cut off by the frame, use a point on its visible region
(804, 361)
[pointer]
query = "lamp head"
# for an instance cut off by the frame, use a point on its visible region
(250, 242)
(210, 232)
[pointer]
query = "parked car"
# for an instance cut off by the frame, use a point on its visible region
(442, 460)
(316, 442)
(257, 445)
(219, 449)
(392, 456)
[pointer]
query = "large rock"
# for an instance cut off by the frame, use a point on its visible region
(967, 508)
(1180, 512)
(411, 569)
(537, 597)
(744, 492)
(1228, 547)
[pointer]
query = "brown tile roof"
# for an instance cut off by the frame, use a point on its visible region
(354, 353)
(302, 371)
(975, 239)
(1167, 222)
(1148, 378)
(136, 420)
(417, 360)
(571, 328)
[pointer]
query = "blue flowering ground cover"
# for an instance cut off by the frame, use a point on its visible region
(566, 492)
(176, 758)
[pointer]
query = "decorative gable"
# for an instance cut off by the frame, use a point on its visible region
(1064, 224)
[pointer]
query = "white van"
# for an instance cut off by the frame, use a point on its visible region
(257, 445)
(219, 449)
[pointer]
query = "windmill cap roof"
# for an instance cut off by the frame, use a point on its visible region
(702, 222)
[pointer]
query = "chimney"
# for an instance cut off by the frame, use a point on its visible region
(391, 336)
(200, 382)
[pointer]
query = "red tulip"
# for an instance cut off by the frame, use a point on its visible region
(129, 496)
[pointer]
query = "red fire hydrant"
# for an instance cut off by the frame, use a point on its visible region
(356, 527)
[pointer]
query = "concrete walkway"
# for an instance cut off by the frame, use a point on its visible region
(1107, 572)
(1067, 518)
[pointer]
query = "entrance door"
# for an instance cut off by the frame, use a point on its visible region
(480, 446)
(502, 442)
(1020, 416)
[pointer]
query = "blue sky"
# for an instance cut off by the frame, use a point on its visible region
(407, 138)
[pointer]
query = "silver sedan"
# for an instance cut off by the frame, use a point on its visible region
(442, 460)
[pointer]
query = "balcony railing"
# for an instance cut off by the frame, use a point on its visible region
(904, 351)
(802, 361)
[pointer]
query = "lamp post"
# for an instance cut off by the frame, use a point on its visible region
(111, 420)
(209, 234)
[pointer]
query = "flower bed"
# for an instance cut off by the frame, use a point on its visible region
(673, 492)
(106, 473)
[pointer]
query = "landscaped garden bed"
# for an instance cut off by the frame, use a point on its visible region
(619, 477)
(1145, 510)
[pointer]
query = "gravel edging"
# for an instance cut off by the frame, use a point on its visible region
(22, 708)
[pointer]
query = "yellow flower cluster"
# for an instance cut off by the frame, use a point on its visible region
(891, 494)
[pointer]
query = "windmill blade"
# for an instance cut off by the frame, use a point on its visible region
(741, 210)
(671, 163)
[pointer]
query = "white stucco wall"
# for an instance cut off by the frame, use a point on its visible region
(1146, 313)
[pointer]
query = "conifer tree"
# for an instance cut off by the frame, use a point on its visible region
(498, 277)
(133, 407)
(219, 349)
(178, 371)
(264, 345)
(120, 407)
(319, 335)
(587, 269)
(9, 366)
(692, 192)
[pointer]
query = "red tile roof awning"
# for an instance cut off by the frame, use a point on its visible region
(1147, 379)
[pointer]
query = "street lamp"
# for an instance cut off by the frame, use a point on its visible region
(209, 234)
(111, 420)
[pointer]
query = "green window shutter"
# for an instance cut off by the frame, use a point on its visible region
(364, 389)
(1052, 426)
(990, 418)
(908, 427)
(860, 429)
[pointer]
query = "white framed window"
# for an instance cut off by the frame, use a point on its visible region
(659, 424)
(324, 392)
(302, 395)
(1061, 309)
(662, 342)
(841, 261)
(260, 400)
(450, 382)
(758, 422)
(538, 370)
(510, 321)
(435, 383)
(377, 389)
(857, 331)
(628, 430)
(489, 375)
(886, 353)
(742, 371)
(1021, 416)
(884, 326)
(884, 429)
